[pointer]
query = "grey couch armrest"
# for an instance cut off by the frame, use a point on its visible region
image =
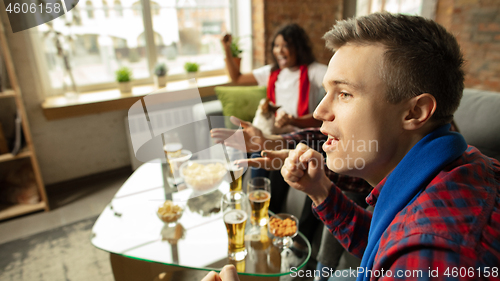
(478, 119)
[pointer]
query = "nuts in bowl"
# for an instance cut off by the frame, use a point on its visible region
(283, 227)
(169, 212)
(203, 175)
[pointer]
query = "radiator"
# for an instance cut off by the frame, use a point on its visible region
(162, 121)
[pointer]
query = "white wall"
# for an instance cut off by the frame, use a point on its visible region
(80, 146)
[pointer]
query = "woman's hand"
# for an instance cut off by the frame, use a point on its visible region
(283, 119)
(226, 41)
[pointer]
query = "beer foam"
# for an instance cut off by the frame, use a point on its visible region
(235, 216)
(251, 196)
(172, 147)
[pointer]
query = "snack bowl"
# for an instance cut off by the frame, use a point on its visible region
(170, 212)
(283, 227)
(203, 175)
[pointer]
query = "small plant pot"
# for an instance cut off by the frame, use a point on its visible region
(125, 87)
(192, 75)
(160, 81)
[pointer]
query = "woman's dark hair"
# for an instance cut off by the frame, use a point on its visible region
(420, 57)
(298, 42)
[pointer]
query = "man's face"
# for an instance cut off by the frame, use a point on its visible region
(363, 128)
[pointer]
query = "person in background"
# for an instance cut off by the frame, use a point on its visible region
(293, 79)
(294, 83)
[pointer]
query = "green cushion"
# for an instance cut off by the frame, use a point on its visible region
(240, 101)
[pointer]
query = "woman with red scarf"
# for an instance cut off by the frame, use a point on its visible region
(293, 80)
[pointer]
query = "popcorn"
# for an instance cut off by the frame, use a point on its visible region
(203, 177)
(169, 212)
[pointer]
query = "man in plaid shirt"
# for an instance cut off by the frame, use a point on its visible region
(395, 81)
(392, 87)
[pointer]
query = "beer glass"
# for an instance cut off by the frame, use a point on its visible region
(259, 194)
(174, 163)
(172, 145)
(235, 172)
(236, 185)
(236, 211)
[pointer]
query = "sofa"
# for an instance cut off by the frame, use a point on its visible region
(478, 120)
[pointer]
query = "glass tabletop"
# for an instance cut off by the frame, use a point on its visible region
(130, 227)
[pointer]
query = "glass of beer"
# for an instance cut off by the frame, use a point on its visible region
(235, 172)
(172, 145)
(236, 184)
(236, 211)
(176, 156)
(259, 194)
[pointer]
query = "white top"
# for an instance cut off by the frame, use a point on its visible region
(287, 86)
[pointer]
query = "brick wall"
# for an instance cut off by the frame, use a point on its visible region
(315, 16)
(476, 24)
(258, 33)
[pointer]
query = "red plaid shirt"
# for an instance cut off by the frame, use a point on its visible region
(451, 231)
(313, 138)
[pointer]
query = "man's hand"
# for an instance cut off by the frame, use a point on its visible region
(304, 171)
(270, 160)
(254, 139)
(228, 273)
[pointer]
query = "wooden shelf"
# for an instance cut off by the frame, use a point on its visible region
(7, 94)
(28, 151)
(24, 153)
(14, 210)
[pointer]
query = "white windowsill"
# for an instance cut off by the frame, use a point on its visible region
(59, 107)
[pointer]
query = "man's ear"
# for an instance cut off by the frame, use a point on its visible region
(421, 108)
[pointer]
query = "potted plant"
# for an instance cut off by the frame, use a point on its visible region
(191, 69)
(236, 51)
(123, 77)
(160, 77)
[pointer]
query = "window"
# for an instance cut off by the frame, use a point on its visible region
(105, 38)
(155, 8)
(424, 8)
(90, 9)
(105, 8)
(118, 8)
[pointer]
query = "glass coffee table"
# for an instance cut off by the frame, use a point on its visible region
(141, 246)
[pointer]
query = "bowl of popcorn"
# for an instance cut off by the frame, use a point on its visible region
(203, 175)
(283, 227)
(169, 212)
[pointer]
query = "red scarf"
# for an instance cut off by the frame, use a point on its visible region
(303, 105)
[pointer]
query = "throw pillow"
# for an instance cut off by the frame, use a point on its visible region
(240, 101)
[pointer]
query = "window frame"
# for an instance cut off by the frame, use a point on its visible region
(49, 91)
(427, 8)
